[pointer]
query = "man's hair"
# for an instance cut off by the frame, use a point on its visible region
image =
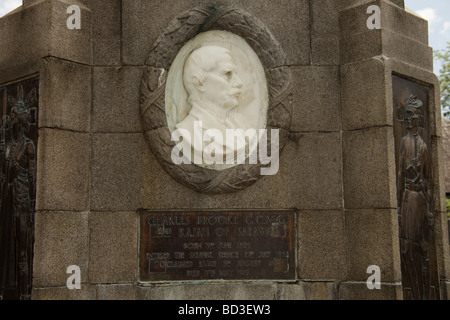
(199, 62)
(413, 104)
(20, 108)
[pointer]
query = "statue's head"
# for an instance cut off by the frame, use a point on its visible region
(20, 115)
(20, 107)
(210, 77)
(413, 106)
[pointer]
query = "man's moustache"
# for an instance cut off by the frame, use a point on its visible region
(235, 92)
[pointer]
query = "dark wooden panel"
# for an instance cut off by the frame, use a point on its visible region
(183, 245)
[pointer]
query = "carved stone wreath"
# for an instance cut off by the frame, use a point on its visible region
(152, 99)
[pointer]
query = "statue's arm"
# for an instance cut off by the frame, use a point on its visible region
(401, 174)
(427, 184)
(427, 173)
(2, 154)
(31, 151)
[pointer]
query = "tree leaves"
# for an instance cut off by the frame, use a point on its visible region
(444, 79)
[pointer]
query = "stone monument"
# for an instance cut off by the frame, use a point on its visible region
(220, 150)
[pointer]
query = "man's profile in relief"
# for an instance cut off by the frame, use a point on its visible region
(213, 89)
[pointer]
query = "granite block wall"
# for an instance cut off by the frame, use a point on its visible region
(337, 170)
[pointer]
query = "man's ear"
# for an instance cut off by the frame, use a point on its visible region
(198, 83)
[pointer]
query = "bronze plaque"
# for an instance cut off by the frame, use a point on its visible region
(415, 189)
(18, 141)
(205, 245)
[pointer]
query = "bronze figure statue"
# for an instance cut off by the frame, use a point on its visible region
(17, 188)
(414, 200)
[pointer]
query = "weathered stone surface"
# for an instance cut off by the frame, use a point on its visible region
(360, 46)
(315, 99)
(344, 4)
(402, 36)
(325, 51)
(63, 170)
(369, 168)
(113, 252)
(324, 32)
(353, 21)
(40, 31)
(364, 100)
(136, 180)
(116, 99)
(231, 291)
(359, 291)
(24, 26)
(74, 45)
(107, 51)
(61, 240)
(406, 49)
(106, 31)
(321, 253)
(446, 288)
(65, 95)
(385, 43)
(292, 291)
(324, 18)
(116, 292)
(140, 31)
(87, 292)
(372, 43)
(400, 3)
(321, 290)
(305, 178)
(372, 239)
(27, 3)
(120, 172)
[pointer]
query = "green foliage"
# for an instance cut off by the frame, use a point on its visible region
(447, 203)
(444, 79)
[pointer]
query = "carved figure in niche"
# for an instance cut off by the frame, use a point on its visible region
(414, 192)
(18, 184)
(213, 89)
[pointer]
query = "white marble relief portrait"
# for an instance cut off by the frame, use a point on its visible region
(216, 83)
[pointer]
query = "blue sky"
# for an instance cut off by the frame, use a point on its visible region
(437, 12)
(8, 5)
